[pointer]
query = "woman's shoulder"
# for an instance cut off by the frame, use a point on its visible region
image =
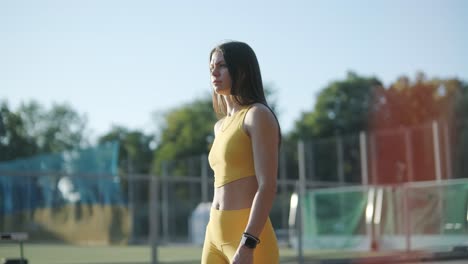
(259, 110)
(259, 113)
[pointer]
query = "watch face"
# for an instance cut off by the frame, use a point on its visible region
(248, 242)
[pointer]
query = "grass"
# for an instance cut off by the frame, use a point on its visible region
(72, 254)
(177, 254)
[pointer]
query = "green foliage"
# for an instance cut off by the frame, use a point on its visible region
(341, 111)
(33, 130)
(187, 131)
(135, 153)
(342, 107)
(58, 129)
(14, 139)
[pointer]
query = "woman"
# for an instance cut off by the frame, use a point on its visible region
(244, 158)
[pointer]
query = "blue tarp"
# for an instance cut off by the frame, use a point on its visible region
(86, 176)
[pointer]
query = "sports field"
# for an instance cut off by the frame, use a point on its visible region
(71, 254)
(182, 254)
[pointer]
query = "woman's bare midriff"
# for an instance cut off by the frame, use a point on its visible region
(235, 195)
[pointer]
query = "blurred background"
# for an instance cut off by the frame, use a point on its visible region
(106, 122)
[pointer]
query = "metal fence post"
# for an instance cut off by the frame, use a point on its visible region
(131, 201)
(374, 158)
(154, 218)
(283, 188)
(204, 178)
(340, 158)
(301, 187)
(448, 154)
(406, 217)
(364, 166)
(164, 203)
(435, 134)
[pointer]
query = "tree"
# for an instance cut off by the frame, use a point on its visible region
(186, 131)
(135, 153)
(342, 107)
(407, 104)
(341, 112)
(58, 129)
(33, 130)
(14, 139)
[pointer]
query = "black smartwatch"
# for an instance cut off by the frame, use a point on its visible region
(249, 240)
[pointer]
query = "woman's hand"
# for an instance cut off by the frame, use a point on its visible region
(244, 255)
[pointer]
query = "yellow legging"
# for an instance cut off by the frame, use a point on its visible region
(223, 235)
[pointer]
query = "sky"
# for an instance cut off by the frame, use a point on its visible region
(124, 62)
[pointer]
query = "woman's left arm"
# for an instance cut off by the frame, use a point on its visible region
(263, 129)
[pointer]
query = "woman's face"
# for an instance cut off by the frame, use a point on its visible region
(220, 78)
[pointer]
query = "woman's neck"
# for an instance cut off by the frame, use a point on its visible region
(231, 105)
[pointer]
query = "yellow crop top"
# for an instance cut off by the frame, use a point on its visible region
(231, 155)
